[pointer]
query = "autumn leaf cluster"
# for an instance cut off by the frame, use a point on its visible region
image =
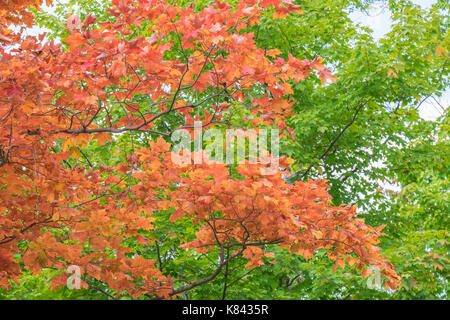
(139, 73)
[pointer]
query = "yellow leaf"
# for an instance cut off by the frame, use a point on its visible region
(440, 50)
(273, 52)
(391, 73)
(317, 234)
(67, 144)
(75, 152)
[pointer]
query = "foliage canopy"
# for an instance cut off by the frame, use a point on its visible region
(86, 177)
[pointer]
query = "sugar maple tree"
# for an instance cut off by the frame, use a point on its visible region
(150, 70)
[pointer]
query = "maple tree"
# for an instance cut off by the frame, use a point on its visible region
(148, 72)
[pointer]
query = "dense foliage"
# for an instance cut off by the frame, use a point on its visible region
(87, 113)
